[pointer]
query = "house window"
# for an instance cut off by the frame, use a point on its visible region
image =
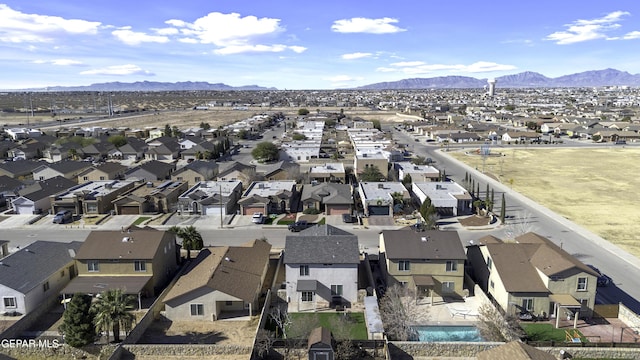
(448, 286)
(140, 265)
(102, 178)
(179, 178)
(92, 208)
(41, 177)
(336, 290)
(85, 178)
(62, 273)
(93, 266)
(304, 270)
(10, 303)
(197, 309)
(197, 179)
(45, 286)
(403, 284)
(489, 263)
(527, 304)
(228, 303)
(491, 284)
(582, 284)
(307, 296)
(452, 265)
(404, 265)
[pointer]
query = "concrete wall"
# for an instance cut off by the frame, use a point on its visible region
(629, 317)
(177, 350)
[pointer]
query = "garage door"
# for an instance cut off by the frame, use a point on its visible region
(213, 210)
(252, 210)
(128, 210)
(24, 210)
(338, 209)
(378, 210)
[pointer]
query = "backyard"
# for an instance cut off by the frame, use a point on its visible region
(593, 187)
(338, 323)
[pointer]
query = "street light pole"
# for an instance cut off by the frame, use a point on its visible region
(221, 216)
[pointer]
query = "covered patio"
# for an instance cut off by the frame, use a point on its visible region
(568, 302)
(93, 285)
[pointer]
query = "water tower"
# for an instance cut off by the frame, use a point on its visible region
(492, 87)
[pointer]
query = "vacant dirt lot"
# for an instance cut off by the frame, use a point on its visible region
(595, 188)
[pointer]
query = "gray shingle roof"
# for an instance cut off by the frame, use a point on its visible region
(408, 244)
(322, 244)
(32, 265)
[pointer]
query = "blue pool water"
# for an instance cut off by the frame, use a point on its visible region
(448, 333)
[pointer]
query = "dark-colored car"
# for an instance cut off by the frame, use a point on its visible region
(603, 280)
(62, 217)
(300, 225)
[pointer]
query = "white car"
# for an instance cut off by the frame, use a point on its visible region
(258, 218)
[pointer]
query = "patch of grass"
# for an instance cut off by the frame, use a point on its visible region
(546, 332)
(356, 321)
(285, 222)
(140, 220)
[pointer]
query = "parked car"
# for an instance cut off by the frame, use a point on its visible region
(257, 218)
(62, 217)
(603, 280)
(300, 225)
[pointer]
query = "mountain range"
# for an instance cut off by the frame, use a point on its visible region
(157, 86)
(606, 77)
(527, 79)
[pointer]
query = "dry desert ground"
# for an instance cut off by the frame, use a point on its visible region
(594, 187)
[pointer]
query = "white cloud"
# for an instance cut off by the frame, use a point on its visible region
(364, 25)
(166, 31)
(632, 35)
(419, 67)
(356, 55)
(59, 62)
(342, 81)
(18, 27)
(586, 30)
(130, 37)
(119, 70)
(233, 34)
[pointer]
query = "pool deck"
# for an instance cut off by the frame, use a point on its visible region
(446, 312)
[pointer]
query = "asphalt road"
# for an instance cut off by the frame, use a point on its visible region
(523, 213)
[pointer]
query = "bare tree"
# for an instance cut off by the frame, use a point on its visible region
(493, 326)
(521, 224)
(264, 341)
(399, 311)
(280, 316)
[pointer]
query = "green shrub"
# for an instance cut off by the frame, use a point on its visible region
(311, 211)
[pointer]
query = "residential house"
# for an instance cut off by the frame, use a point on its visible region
(520, 136)
(36, 198)
(133, 150)
(139, 261)
(28, 150)
(102, 172)
(9, 188)
(328, 172)
(211, 198)
(32, 276)
(431, 262)
(150, 171)
(231, 171)
(533, 275)
(97, 150)
(22, 133)
(448, 197)
(330, 198)
(21, 170)
(418, 173)
(269, 197)
(163, 148)
(282, 170)
(516, 350)
(200, 150)
(93, 197)
(68, 169)
(377, 197)
(321, 268)
(220, 279)
(365, 160)
(300, 151)
(196, 171)
(150, 197)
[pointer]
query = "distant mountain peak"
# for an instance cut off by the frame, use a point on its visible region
(146, 85)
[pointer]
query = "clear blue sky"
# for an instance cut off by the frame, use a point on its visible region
(309, 44)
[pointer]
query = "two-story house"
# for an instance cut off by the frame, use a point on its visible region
(211, 198)
(533, 275)
(196, 171)
(268, 197)
(105, 171)
(321, 268)
(69, 169)
(32, 276)
(431, 262)
(140, 261)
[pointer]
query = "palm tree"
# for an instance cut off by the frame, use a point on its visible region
(113, 310)
(191, 238)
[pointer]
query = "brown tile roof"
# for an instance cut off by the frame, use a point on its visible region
(515, 350)
(408, 244)
(233, 270)
(139, 244)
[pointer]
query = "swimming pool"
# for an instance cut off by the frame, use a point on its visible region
(448, 333)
